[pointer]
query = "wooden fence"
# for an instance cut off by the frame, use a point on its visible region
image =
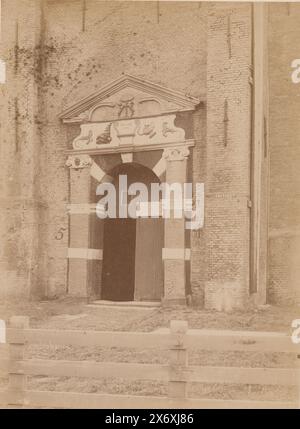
(177, 373)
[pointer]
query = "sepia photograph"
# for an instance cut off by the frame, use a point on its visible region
(149, 207)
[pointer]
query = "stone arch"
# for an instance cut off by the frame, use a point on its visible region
(102, 167)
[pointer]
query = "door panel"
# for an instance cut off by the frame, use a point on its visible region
(118, 259)
(148, 262)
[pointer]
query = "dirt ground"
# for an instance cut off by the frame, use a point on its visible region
(76, 314)
(68, 313)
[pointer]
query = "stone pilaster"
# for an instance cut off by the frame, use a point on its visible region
(81, 256)
(260, 158)
(174, 252)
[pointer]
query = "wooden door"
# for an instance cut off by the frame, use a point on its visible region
(118, 260)
(148, 259)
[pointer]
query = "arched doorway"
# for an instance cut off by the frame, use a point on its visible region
(132, 248)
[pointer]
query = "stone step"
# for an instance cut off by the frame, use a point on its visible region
(125, 304)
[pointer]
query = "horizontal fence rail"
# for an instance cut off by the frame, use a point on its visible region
(201, 340)
(133, 340)
(96, 400)
(90, 369)
(177, 373)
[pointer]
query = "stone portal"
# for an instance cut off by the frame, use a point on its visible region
(130, 126)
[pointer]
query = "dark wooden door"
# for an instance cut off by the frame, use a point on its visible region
(118, 259)
(148, 262)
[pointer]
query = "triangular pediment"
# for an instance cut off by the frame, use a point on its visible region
(128, 97)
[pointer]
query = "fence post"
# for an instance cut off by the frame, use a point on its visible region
(298, 378)
(178, 359)
(17, 378)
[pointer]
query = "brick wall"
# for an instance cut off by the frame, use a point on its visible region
(20, 204)
(228, 154)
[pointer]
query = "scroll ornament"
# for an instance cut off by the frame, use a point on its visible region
(176, 153)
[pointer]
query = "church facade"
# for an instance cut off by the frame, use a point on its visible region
(159, 93)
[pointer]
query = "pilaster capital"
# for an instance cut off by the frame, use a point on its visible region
(79, 161)
(176, 153)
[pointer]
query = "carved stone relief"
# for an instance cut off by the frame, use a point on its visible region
(129, 103)
(128, 97)
(143, 131)
(126, 107)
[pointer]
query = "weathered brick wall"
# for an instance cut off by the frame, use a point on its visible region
(20, 205)
(228, 155)
(284, 206)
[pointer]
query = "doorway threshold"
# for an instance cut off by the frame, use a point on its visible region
(125, 304)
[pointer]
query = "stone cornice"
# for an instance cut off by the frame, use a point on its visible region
(130, 148)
